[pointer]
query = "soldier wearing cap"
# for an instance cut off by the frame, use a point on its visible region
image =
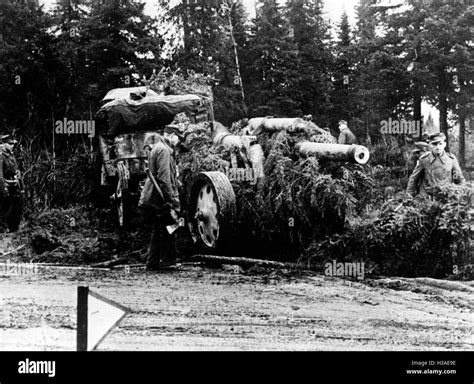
(345, 136)
(162, 212)
(435, 168)
(421, 147)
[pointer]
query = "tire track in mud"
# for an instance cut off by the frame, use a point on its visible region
(202, 309)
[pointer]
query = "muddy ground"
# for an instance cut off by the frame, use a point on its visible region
(220, 308)
(227, 308)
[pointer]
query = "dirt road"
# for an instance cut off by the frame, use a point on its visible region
(199, 308)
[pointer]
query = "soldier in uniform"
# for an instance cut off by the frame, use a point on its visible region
(435, 168)
(421, 147)
(11, 187)
(162, 212)
(345, 136)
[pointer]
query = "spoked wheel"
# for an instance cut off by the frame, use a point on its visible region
(212, 210)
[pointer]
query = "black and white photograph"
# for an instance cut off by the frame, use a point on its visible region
(237, 175)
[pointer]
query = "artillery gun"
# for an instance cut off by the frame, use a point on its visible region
(212, 199)
(209, 195)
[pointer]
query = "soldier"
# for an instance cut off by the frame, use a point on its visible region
(11, 206)
(163, 212)
(346, 136)
(435, 168)
(421, 147)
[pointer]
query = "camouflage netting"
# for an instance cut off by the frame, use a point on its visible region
(409, 237)
(199, 155)
(174, 83)
(297, 200)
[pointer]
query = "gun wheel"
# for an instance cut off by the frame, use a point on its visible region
(212, 210)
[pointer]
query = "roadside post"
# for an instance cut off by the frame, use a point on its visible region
(96, 317)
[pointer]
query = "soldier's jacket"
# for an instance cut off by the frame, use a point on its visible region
(162, 165)
(346, 137)
(8, 166)
(431, 171)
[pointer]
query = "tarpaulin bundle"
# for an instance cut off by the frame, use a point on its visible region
(123, 93)
(149, 113)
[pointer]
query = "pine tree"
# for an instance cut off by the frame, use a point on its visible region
(27, 68)
(381, 82)
(366, 20)
(371, 104)
(436, 39)
(311, 37)
(275, 70)
(209, 30)
(230, 91)
(69, 17)
(119, 45)
(343, 95)
(446, 52)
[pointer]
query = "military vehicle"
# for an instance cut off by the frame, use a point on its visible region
(129, 118)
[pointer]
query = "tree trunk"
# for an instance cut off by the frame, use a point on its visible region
(416, 85)
(462, 140)
(443, 117)
(246, 262)
(186, 28)
(236, 56)
(417, 107)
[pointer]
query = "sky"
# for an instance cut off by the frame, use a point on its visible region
(333, 8)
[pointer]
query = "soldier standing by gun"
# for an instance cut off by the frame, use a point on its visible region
(434, 168)
(345, 136)
(162, 206)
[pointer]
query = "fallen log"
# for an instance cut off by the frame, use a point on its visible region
(245, 262)
(13, 251)
(42, 267)
(131, 266)
(442, 284)
(111, 263)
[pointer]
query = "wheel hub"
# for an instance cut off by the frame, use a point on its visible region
(206, 215)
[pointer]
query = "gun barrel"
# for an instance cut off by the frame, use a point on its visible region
(222, 137)
(257, 125)
(336, 152)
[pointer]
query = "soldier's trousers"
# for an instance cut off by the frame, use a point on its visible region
(162, 246)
